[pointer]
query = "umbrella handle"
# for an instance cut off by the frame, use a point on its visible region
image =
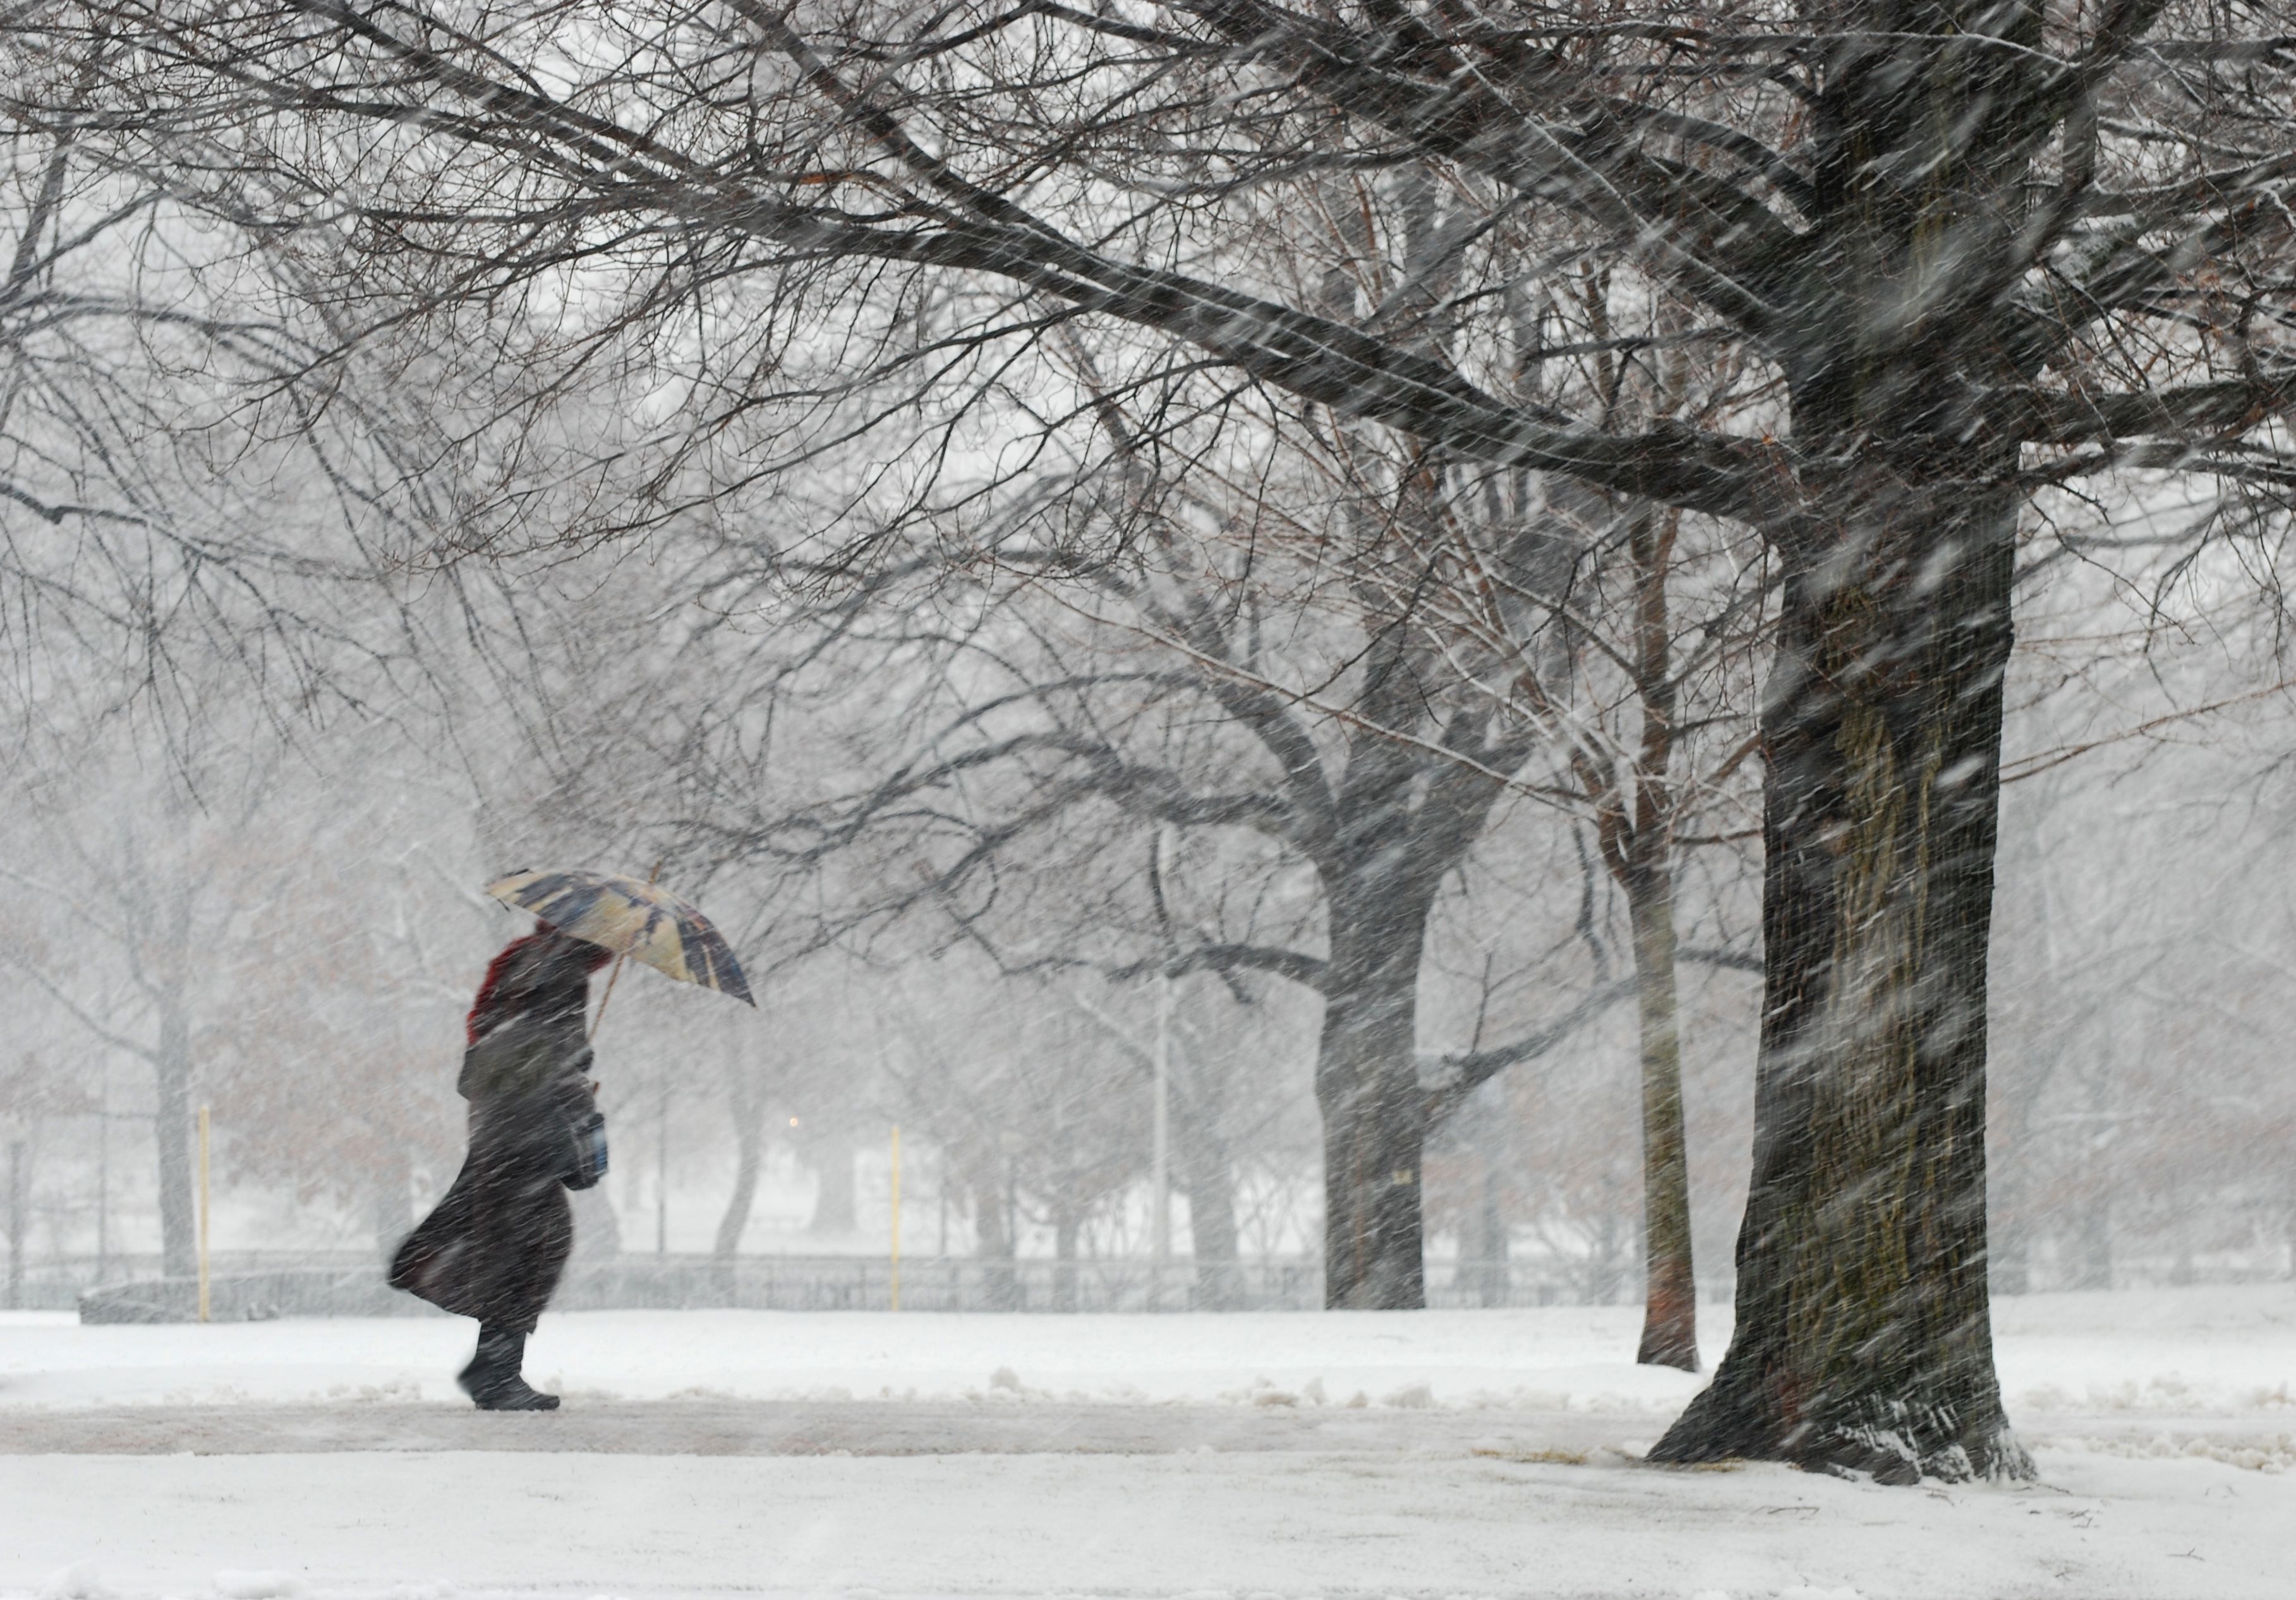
(611, 978)
(615, 976)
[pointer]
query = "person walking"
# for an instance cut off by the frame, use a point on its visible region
(495, 1246)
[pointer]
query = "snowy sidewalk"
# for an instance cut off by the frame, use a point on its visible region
(1467, 1454)
(431, 1527)
(805, 1428)
(2194, 1352)
(1276, 1425)
(1553, 1359)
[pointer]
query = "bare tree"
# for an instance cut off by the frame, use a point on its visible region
(1145, 700)
(1975, 248)
(331, 1035)
(144, 883)
(1639, 670)
(1227, 1080)
(1026, 1100)
(193, 499)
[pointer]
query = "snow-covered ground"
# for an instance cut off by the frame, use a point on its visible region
(429, 1527)
(1544, 1358)
(2197, 1352)
(1445, 1453)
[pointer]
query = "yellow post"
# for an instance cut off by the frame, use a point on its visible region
(203, 1213)
(896, 1216)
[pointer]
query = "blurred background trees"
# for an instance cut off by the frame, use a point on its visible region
(1031, 699)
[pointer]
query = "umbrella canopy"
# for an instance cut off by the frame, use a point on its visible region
(644, 921)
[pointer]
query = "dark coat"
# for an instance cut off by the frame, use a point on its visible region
(496, 1245)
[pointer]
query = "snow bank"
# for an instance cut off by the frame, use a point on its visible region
(2221, 1349)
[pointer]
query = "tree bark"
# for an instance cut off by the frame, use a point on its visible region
(1864, 1337)
(1374, 1121)
(1670, 1291)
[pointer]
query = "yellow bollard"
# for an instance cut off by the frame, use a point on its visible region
(203, 1213)
(896, 1216)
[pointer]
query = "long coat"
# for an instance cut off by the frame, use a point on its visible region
(495, 1246)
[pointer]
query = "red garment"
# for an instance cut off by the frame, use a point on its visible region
(514, 973)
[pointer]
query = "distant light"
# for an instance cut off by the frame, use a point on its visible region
(792, 1121)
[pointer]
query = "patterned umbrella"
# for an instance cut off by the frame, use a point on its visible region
(640, 920)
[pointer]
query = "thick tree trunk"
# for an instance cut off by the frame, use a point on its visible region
(1670, 1288)
(1864, 1337)
(172, 1129)
(1374, 1118)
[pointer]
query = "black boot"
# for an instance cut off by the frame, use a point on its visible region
(493, 1380)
